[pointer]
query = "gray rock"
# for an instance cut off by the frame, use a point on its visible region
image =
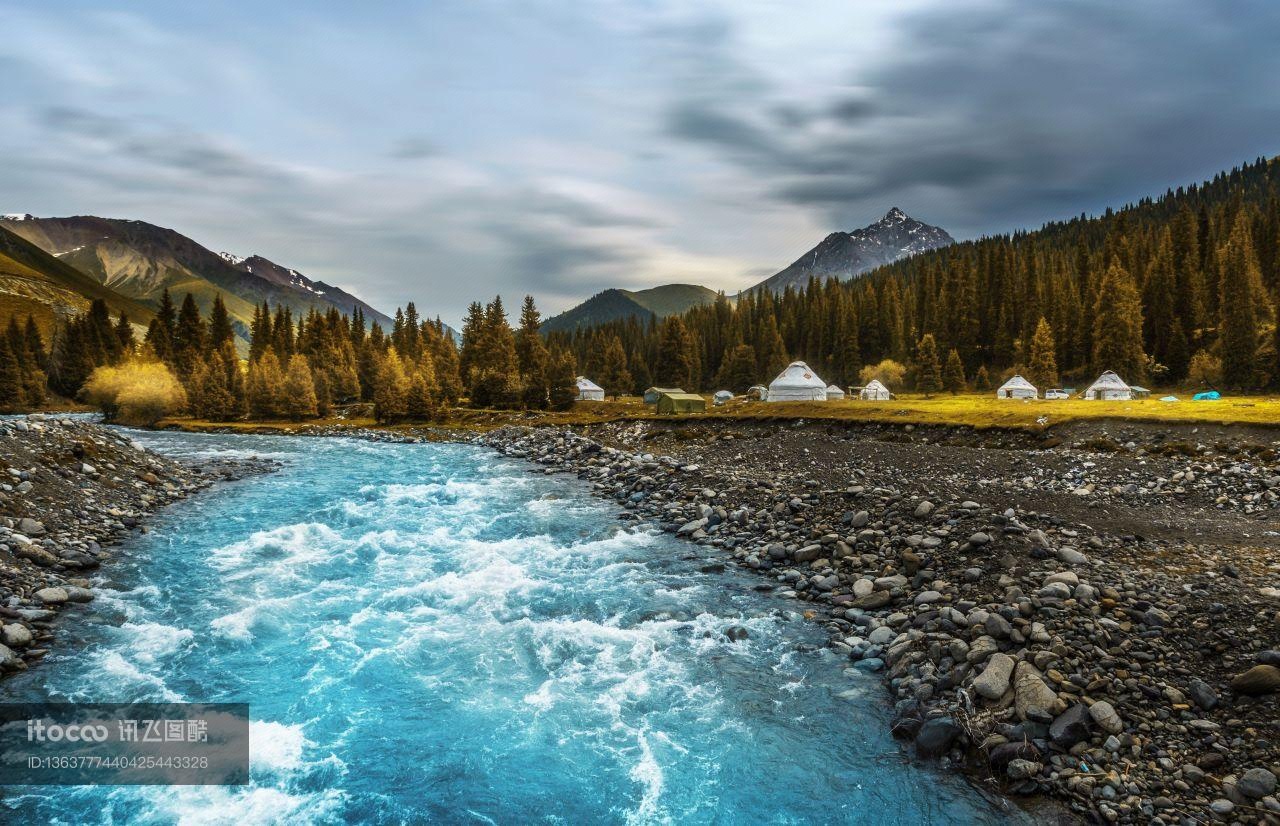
(1071, 556)
(936, 736)
(1256, 783)
(1203, 694)
(1022, 769)
(993, 682)
(923, 509)
(15, 635)
(1033, 699)
(30, 527)
(998, 627)
(52, 596)
(1071, 726)
(1104, 714)
(1261, 679)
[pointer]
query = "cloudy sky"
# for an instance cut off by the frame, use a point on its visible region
(443, 152)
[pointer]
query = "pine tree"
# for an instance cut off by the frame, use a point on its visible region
(124, 334)
(1042, 364)
(1238, 339)
(188, 338)
(265, 387)
(1117, 325)
(162, 329)
(615, 377)
(928, 370)
(220, 329)
(953, 374)
(12, 398)
(299, 389)
(391, 393)
(562, 379)
(740, 374)
(675, 367)
(982, 379)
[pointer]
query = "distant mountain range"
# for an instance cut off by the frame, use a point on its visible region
(612, 305)
(35, 283)
(841, 255)
(137, 261)
(844, 255)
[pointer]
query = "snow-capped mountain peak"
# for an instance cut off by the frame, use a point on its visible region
(231, 258)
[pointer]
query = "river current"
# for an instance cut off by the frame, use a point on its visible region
(431, 633)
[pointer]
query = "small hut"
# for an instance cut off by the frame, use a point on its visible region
(675, 403)
(797, 383)
(758, 393)
(874, 392)
(651, 395)
(1017, 388)
(589, 391)
(1109, 387)
(834, 393)
(722, 397)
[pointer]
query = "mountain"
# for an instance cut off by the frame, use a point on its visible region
(140, 260)
(612, 305)
(33, 282)
(843, 255)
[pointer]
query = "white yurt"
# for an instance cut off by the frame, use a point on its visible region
(758, 392)
(721, 396)
(589, 391)
(798, 383)
(874, 392)
(1017, 388)
(1109, 387)
(834, 394)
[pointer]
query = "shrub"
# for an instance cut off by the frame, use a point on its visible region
(135, 392)
(889, 372)
(1205, 369)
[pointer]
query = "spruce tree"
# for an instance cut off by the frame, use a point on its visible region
(1042, 363)
(953, 374)
(615, 377)
(562, 379)
(124, 334)
(220, 329)
(1238, 339)
(12, 398)
(265, 387)
(928, 369)
(299, 389)
(675, 367)
(1117, 326)
(391, 393)
(982, 379)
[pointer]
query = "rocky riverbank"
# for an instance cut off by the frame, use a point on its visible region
(69, 489)
(1091, 616)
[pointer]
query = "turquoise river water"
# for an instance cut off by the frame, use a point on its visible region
(430, 633)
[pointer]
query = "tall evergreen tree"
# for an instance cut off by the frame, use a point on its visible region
(1042, 364)
(1117, 325)
(928, 368)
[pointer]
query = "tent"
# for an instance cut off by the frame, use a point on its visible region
(1168, 398)
(1109, 387)
(681, 403)
(1140, 392)
(758, 392)
(1017, 388)
(722, 396)
(1208, 396)
(875, 392)
(834, 393)
(651, 395)
(589, 391)
(797, 383)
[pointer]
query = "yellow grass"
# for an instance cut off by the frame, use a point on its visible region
(979, 411)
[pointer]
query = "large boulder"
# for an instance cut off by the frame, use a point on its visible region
(1071, 726)
(1033, 699)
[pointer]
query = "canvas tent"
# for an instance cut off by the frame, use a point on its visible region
(1140, 392)
(651, 395)
(722, 396)
(834, 393)
(1017, 388)
(758, 392)
(1109, 387)
(874, 392)
(681, 403)
(797, 383)
(589, 391)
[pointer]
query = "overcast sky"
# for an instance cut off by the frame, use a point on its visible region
(443, 152)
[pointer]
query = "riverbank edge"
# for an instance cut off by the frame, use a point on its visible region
(71, 492)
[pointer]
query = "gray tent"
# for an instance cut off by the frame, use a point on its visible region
(651, 395)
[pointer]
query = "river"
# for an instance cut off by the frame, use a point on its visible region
(432, 633)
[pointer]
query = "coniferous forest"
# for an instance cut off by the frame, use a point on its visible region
(1179, 290)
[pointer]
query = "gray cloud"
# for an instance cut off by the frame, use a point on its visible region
(994, 115)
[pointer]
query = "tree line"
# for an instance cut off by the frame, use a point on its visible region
(1180, 289)
(293, 369)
